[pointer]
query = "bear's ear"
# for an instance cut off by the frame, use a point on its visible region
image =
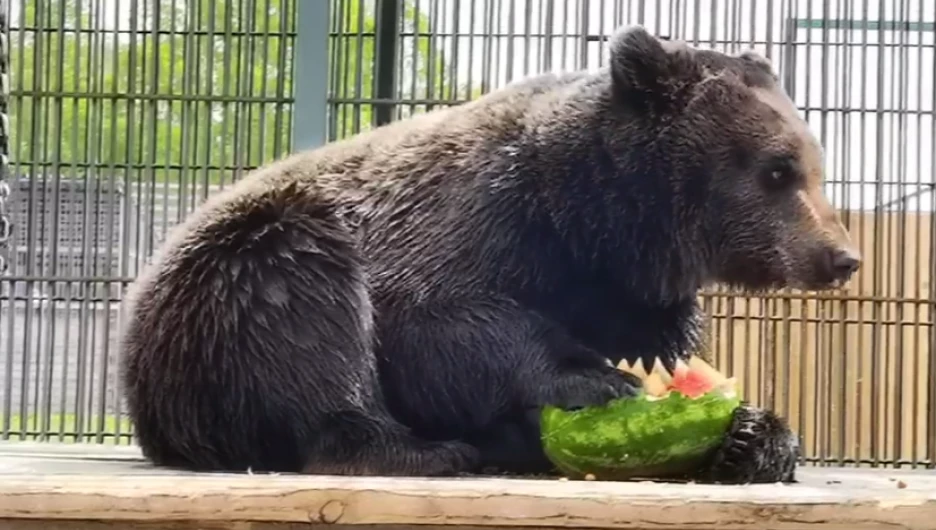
(759, 63)
(754, 58)
(646, 70)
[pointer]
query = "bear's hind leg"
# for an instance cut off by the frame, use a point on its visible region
(249, 345)
(353, 443)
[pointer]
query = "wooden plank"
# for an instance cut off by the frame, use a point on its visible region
(50, 482)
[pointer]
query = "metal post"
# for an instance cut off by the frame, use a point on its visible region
(388, 38)
(6, 228)
(310, 116)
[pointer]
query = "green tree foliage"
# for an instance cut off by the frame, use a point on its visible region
(187, 91)
(198, 90)
(422, 72)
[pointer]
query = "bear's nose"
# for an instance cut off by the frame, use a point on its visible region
(844, 262)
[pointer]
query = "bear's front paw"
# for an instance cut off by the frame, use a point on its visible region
(590, 388)
(759, 448)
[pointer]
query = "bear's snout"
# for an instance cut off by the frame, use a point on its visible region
(841, 263)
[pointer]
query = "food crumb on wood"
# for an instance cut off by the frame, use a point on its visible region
(589, 476)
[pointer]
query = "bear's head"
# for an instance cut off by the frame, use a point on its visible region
(744, 172)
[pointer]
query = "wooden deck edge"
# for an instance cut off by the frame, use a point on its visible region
(47, 485)
(482, 502)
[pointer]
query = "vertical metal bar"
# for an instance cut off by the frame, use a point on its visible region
(528, 37)
(931, 307)
(359, 62)
(863, 382)
(109, 229)
(511, 40)
(279, 128)
(844, 75)
(135, 201)
(413, 16)
(343, 67)
(123, 221)
(74, 246)
(878, 339)
(388, 42)
(41, 152)
(583, 35)
(31, 253)
(153, 127)
(5, 219)
(240, 82)
(311, 81)
(86, 307)
(454, 58)
(53, 269)
(770, 327)
(549, 20)
(823, 402)
(208, 126)
(251, 158)
(918, 263)
(487, 48)
(900, 145)
(261, 108)
(754, 313)
(335, 67)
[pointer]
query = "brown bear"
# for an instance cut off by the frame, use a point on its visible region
(406, 300)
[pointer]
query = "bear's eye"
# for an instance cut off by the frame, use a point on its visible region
(780, 176)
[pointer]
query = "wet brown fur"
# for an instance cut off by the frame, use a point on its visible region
(403, 302)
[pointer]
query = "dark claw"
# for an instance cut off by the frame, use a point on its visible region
(592, 388)
(759, 448)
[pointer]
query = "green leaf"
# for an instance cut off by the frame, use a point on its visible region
(637, 437)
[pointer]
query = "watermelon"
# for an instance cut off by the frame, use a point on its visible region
(666, 431)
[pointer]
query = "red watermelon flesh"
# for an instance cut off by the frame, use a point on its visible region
(691, 383)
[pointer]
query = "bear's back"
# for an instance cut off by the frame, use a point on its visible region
(431, 198)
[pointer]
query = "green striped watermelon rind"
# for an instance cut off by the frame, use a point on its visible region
(638, 437)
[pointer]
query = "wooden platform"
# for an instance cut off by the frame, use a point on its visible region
(51, 486)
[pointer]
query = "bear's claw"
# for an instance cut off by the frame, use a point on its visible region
(759, 448)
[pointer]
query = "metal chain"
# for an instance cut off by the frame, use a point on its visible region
(6, 226)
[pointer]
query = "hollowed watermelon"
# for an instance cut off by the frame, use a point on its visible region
(666, 431)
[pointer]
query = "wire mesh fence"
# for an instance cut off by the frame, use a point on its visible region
(126, 114)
